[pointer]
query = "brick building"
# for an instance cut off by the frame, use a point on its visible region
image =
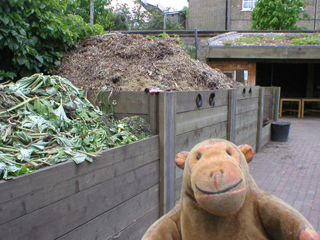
(235, 15)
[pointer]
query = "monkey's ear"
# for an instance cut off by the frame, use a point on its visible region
(247, 151)
(180, 159)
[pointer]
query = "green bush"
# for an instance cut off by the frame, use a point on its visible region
(34, 34)
(278, 14)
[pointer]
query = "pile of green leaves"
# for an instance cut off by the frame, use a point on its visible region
(45, 120)
(34, 34)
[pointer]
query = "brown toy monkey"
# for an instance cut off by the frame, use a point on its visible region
(220, 200)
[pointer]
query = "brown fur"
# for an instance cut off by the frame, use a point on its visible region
(220, 200)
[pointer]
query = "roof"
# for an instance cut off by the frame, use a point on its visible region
(229, 46)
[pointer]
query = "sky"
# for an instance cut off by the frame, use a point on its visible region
(163, 4)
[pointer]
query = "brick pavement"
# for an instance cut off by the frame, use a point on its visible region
(291, 170)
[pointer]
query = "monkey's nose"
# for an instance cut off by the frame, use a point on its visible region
(216, 176)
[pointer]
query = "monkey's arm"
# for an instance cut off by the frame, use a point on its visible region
(166, 228)
(282, 221)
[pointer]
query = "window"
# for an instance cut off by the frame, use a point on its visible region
(248, 5)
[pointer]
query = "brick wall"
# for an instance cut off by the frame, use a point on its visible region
(207, 14)
(211, 15)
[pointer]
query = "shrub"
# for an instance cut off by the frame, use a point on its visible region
(34, 34)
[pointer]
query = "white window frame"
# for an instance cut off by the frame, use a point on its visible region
(247, 2)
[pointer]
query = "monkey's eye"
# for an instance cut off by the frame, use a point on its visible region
(229, 153)
(198, 156)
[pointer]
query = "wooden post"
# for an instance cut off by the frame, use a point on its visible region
(260, 119)
(196, 43)
(276, 97)
(92, 12)
(153, 113)
(167, 130)
(231, 115)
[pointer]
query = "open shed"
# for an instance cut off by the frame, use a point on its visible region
(294, 68)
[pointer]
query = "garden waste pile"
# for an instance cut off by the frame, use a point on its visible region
(131, 62)
(45, 120)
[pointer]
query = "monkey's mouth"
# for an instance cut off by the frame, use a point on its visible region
(219, 192)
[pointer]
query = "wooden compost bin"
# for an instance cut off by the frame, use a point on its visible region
(116, 195)
(124, 191)
(237, 115)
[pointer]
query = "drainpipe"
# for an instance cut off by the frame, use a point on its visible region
(315, 15)
(227, 15)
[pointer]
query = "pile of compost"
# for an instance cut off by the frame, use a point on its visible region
(131, 62)
(45, 120)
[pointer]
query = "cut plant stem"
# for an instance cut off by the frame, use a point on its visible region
(19, 105)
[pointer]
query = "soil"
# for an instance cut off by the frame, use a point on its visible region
(131, 62)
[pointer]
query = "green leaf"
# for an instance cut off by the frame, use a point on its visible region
(25, 154)
(79, 157)
(5, 19)
(39, 58)
(13, 46)
(24, 136)
(61, 114)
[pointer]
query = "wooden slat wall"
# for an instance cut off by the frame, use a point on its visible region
(266, 134)
(247, 102)
(268, 108)
(120, 195)
(194, 124)
(90, 201)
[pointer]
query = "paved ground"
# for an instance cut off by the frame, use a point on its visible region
(291, 170)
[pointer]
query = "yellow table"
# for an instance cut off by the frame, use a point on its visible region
(304, 100)
(291, 110)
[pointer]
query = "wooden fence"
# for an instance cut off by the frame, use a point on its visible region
(237, 115)
(124, 191)
(115, 196)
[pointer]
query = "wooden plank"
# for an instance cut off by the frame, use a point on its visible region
(178, 172)
(69, 213)
(266, 135)
(268, 106)
(124, 115)
(252, 73)
(55, 175)
(246, 118)
(276, 103)
(244, 132)
(190, 121)
(138, 228)
(246, 105)
(178, 185)
(114, 222)
(186, 141)
(244, 92)
(167, 133)
(260, 52)
(50, 194)
(251, 140)
(186, 101)
(231, 115)
(153, 118)
(268, 91)
(134, 102)
(260, 120)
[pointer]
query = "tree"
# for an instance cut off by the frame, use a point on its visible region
(34, 34)
(121, 17)
(277, 14)
(102, 14)
(139, 17)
